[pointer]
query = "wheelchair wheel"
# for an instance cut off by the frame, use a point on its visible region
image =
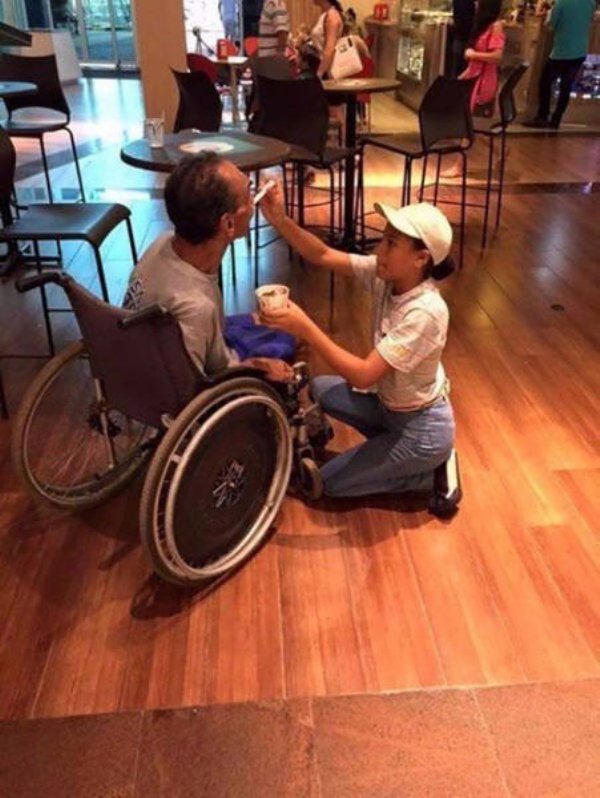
(60, 447)
(310, 481)
(216, 482)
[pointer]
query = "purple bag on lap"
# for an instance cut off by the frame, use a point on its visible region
(249, 339)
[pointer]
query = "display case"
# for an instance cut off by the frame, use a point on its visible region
(422, 43)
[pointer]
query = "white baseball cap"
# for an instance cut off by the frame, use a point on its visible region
(421, 220)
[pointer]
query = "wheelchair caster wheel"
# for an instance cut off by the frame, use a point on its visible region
(445, 507)
(310, 481)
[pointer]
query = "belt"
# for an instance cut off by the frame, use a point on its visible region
(443, 395)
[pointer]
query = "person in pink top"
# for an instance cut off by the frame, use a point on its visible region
(483, 57)
(485, 54)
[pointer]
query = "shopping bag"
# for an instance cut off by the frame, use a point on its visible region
(346, 60)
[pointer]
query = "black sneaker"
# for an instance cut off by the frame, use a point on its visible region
(536, 122)
(447, 493)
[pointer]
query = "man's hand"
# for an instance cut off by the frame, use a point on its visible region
(292, 319)
(272, 206)
(275, 370)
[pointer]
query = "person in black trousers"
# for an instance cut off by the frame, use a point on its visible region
(570, 21)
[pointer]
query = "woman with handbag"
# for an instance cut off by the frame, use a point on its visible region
(483, 57)
(326, 32)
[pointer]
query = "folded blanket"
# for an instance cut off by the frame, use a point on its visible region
(255, 340)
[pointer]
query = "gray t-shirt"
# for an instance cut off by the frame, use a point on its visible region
(191, 296)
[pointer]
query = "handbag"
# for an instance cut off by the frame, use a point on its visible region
(346, 60)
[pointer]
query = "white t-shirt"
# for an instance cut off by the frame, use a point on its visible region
(409, 332)
(191, 296)
(274, 19)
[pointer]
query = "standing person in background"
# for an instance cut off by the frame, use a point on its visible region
(326, 33)
(483, 57)
(352, 27)
(484, 53)
(571, 21)
(273, 28)
(463, 15)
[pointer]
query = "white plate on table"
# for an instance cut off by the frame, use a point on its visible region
(206, 145)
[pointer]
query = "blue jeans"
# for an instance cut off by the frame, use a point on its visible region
(401, 451)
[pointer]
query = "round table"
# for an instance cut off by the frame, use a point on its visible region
(247, 151)
(13, 88)
(351, 88)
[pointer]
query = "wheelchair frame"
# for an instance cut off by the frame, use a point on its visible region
(204, 509)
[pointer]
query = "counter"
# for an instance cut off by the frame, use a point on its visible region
(414, 49)
(384, 49)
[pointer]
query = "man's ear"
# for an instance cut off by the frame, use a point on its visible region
(227, 225)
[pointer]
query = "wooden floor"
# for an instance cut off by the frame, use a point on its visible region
(354, 596)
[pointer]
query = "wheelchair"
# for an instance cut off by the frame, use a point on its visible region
(220, 452)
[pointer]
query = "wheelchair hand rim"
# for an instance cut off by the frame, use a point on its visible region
(283, 468)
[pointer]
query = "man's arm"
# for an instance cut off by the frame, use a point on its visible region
(306, 244)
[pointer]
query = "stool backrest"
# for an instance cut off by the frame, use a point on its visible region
(294, 111)
(41, 70)
(200, 63)
(144, 369)
(506, 96)
(445, 112)
(200, 106)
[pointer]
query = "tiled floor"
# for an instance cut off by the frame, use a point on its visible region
(537, 741)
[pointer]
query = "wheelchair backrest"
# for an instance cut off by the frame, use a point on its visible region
(144, 369)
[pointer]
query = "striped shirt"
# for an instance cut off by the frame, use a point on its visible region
(274, 19)
(409, 332)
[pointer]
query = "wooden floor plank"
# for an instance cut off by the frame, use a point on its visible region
(370, 595)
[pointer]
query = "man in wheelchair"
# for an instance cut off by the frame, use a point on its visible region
(155, 384)
(209, 203)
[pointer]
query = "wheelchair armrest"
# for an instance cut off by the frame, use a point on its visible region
(24, 284)
(144, 314)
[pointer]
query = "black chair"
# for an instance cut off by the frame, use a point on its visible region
(445, 128)
(493, 129)
(42, 71)
(297, 112)
(91, 222)
(276, 67)
(200, 106)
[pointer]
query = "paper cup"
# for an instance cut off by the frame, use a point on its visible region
(272, 297)
(154, 132)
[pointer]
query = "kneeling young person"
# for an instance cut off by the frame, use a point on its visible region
(397, 397)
